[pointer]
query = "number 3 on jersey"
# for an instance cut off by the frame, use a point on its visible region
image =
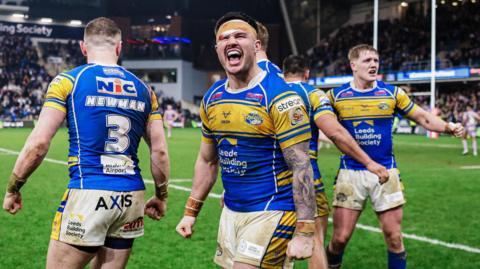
(118, 128)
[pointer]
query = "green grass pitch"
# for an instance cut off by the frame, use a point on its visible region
(443, 204)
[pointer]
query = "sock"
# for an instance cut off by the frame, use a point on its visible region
(334, 260)
(397, 260)
(474, 147)
(465, 146)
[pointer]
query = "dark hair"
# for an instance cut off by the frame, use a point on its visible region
(295, 64)
(235, 15)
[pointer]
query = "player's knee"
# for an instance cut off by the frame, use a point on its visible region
(394, 241)
(340, 240)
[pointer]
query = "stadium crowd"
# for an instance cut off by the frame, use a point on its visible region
(405, 43)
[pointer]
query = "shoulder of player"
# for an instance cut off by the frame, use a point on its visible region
(216, 87)
(334, 92)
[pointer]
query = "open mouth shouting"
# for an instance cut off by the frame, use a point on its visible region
(233, 56)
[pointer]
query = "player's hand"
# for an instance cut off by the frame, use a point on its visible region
(222, 199)
(455, 129)
(185, 226)
(379, 170)
(156, 208)
(12, 202)
(300, 247)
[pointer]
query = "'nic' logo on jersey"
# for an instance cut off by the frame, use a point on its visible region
(116, 86)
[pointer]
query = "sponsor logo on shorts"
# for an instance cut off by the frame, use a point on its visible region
(250, 249)
(75, 226)
(136, 225)
(289, 103)
(116, 86)
(219, 251)
(341, 197)
(120, 202)
(253, 118)
(296, 116)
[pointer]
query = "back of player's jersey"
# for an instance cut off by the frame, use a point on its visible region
(107, 111)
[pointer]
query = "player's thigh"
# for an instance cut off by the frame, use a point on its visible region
(391, 220)
(257, 238)
(63, 255)
(111, 258)
(350, 189)
(344, 221)
(388, 195)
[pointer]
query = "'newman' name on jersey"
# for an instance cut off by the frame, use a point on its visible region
(115, 102)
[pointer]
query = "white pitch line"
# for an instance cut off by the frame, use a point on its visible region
(360, 226)
(470, 167)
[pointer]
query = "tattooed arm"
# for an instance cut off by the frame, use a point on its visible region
(298, 161)
(296, 156)
(345, 143)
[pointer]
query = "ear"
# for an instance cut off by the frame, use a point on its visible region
(118, 48)
(257, 45)
(306, 74)
(83, 48)
(353, 66)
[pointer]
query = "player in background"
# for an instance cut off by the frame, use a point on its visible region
(296, 73)
(261, 56)
(257, 130)
(366, 108)
(470, 119)
(170, 117)
(108, 110)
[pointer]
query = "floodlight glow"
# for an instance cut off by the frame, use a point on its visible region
(404, 4)
(46, 20)
(75, 22)
(18, 15)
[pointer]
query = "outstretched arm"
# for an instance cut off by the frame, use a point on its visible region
(160, 167)
(298, 161)
(206, 170)
(435, 124)
(345, 143)
(32, 155)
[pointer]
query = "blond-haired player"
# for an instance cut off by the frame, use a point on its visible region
(366, 108)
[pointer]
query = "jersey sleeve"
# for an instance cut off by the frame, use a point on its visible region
(58, 90)
(207, 134)
(404, 105)
(321, 105)
(290, 119)
(154, 113)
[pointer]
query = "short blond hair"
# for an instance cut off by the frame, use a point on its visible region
(262, 35)
(101, 32)
(354, 52)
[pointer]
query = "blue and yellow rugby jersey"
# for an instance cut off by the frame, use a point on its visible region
(317, 104)
(368, 116)
(250, 127)
(270, 67)
(107, 109)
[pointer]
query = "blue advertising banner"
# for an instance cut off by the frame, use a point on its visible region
(41, 30)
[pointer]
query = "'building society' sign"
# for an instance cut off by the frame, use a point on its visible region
(39, 30)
